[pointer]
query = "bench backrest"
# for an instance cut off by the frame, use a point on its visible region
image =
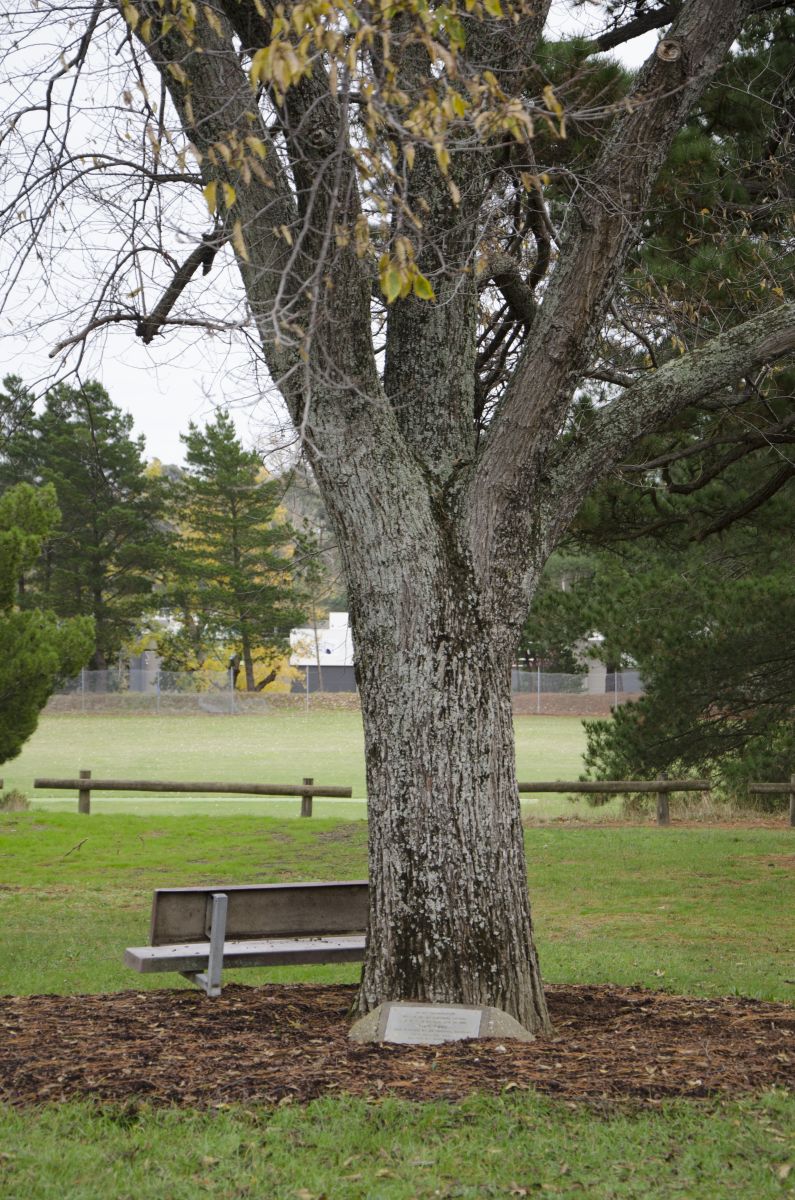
(265, 910)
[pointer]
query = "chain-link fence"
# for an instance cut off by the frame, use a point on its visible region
(149, 690)
(589, 693)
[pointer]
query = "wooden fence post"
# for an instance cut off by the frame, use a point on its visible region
(663, 814)
(306, 801)
(84, 795)
(792, 800)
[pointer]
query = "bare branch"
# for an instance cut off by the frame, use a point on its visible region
(771, 435)
(149, 326)
(98, 323)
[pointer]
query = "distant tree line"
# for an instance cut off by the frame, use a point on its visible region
(208, 545)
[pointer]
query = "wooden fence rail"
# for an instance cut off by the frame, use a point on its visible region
(778, 789)
(86, 784)
(607, 787)
(662, 786)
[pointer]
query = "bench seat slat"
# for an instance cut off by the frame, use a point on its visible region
(194, 956)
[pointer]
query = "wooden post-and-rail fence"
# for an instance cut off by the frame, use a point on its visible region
(86, 784)
(662, 786)
(778, 789)
(611, 787)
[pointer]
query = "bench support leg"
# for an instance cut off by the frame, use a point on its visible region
(210, 981)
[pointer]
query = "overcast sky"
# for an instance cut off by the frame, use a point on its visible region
(183, 378)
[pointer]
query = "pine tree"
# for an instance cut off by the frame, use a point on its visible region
(233, 574)
(36, 649)
(106, 555)
(692, 542)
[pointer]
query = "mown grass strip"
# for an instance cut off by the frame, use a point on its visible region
(344, 1149)
(278, 746)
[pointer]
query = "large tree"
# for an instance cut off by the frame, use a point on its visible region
(431, 271)
(232, 562)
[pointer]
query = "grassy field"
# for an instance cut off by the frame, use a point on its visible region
(279, 747)
(696, 911)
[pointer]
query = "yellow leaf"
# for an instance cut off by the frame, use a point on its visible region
(131, 15)
(211, 196)
(230, 195)
(146, 30)
(455, 194)
(459, 105)
(422, 288)
(239, 242)
(552, 102)
(391, 283)
(408, 154)
(285, 232)
(259, 65)
(258, 146)
(493, 7)
(212, 19)
(176, 70)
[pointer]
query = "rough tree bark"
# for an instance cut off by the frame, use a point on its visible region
(443, 534)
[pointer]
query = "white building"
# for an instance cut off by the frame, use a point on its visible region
(325, 652)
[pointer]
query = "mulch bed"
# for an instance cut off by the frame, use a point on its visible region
(277, 1044)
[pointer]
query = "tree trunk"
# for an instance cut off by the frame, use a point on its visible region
(248, 661)
(449, 909)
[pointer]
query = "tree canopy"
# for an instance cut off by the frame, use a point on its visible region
(36, 649)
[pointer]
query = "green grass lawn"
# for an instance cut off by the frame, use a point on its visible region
(511, 1146)
(702, 911)
(277, 747)
(698, 911)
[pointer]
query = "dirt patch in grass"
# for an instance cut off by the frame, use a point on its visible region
(283, 1043)
(341, 833)
(787, 861)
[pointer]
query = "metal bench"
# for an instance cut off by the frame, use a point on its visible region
(200, 930)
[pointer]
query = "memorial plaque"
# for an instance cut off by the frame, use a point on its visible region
(430, 1024)
(414, 1023)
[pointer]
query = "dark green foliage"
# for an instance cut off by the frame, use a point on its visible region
(36, 649)
(718, 660)
(688, 549)
(233, 576)
(709, 621)
(107, 553)
(558, 620)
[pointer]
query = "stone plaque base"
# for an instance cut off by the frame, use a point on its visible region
(415, 1023)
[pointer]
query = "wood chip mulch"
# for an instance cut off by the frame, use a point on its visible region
(280, 1044)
